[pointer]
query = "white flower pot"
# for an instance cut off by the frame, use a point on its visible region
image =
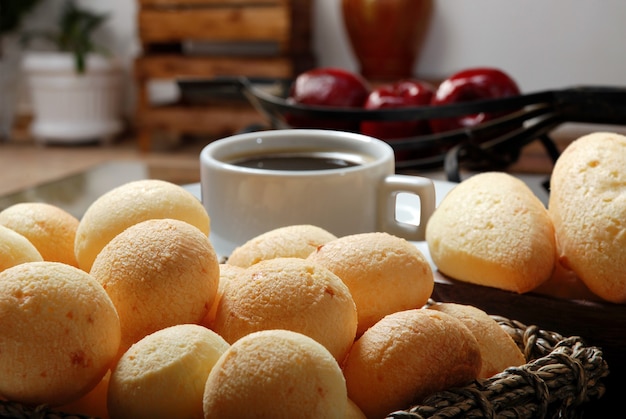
(70, 107)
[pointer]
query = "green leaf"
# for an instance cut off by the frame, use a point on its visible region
(75, 32)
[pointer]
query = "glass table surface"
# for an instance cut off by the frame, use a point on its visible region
(76, 192)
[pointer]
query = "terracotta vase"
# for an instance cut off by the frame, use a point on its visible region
(386, 35)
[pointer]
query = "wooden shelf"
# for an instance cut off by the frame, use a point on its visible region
(166, 27)
(172, 65)
(253, 23)
(179, 119)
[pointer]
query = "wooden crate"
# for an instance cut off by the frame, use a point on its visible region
(164, 28)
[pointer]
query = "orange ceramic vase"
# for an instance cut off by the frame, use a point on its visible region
(386, 35)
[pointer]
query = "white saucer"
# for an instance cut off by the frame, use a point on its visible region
(407, 210)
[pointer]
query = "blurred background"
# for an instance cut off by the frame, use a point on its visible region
(542, 44)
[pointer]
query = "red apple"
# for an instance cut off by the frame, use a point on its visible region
(328, 87)
(403, 93)
(469, 85)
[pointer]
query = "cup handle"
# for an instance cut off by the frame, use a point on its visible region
(390, 187)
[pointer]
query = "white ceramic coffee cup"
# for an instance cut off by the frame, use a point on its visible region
(245, 202)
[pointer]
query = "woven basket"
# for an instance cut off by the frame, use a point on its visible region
(560, 377)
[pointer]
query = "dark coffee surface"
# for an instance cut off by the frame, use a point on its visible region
(295, 163)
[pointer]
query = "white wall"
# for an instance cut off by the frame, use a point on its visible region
(542, 44)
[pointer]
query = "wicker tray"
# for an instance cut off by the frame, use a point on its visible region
(562, 378)
(600, 324)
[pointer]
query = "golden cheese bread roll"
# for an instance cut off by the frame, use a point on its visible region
(227, 272)
(384, 273)
(291, 241)
(163, 375)
(130, 204)
(158, 273)
(566, 285)
(16, 249)
(59, 333)
(93, 404)
(275, 374)
(405, 357)
(492, 230)
(353, 411)
(49, 228)
(588, 208)
(288, 293)
(498, 350)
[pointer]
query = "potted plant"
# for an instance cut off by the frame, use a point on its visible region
(76, 87)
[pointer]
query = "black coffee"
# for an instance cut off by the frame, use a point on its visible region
(300, 161)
